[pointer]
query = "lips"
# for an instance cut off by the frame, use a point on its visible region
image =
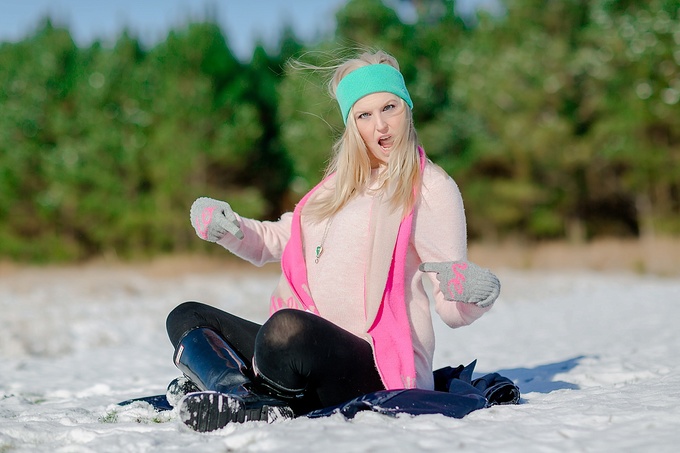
(385, 142)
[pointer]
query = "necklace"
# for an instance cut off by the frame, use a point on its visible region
(319, 248)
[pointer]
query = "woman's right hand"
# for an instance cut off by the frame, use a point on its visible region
(213, 219)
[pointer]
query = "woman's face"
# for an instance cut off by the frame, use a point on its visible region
(380, 119)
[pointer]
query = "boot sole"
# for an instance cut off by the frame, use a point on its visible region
(210, 411)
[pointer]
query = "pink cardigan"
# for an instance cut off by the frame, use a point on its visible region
(390, 329)
(400, 330)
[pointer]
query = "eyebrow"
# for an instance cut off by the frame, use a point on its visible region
(390, 100)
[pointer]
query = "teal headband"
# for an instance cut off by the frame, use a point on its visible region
(366, 80)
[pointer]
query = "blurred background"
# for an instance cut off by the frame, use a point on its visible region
(559, 120)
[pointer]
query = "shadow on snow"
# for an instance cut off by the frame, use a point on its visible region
(540, 379)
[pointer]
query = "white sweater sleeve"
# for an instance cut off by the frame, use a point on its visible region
(440, 235)
(263, 241)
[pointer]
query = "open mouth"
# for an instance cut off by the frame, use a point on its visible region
(386, 143)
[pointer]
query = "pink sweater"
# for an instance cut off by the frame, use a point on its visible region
(336, 282)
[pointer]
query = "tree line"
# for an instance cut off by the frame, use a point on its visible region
(558, 120)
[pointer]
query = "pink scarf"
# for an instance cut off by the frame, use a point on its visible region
(389, 328)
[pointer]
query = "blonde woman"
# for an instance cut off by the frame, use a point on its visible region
(350, 314)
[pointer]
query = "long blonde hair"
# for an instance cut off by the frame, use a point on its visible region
(350, 161)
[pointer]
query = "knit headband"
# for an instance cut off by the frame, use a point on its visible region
(370, 79)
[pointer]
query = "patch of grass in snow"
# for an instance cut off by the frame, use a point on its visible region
(135, 413)
(110, 417)
(36, 399)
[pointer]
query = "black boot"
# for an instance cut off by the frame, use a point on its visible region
(227, 393)
(178, 389)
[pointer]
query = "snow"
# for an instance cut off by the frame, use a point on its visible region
(594, 354)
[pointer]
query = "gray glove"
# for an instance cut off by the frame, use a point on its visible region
(213, 219)
(464, 281)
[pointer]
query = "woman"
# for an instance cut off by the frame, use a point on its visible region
(350, 314)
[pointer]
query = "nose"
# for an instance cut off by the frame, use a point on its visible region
(380, 123)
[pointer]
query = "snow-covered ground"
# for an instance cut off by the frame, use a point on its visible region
(596, 356)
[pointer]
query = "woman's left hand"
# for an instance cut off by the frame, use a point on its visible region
(464, 281)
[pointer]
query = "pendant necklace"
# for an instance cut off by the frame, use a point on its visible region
(319, 248)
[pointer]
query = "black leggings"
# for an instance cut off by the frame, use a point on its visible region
(293, 349)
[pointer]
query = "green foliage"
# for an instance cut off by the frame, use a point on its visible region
(557, 119)
(569, 95)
